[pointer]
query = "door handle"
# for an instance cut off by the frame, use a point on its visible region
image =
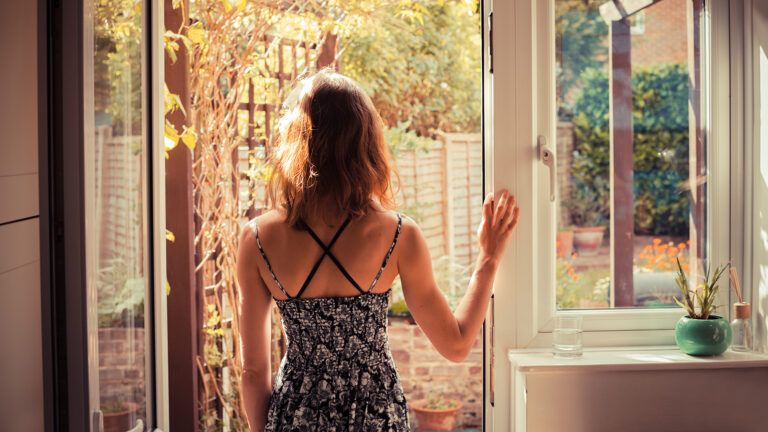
(139, 426)
(548, 158)
(97, 421)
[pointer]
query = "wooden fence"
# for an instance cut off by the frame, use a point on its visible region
(441, 188)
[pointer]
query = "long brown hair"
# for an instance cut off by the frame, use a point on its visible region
(330, 151)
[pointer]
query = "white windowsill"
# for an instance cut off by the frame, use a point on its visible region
(630, 359)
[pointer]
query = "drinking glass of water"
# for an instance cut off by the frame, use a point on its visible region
(566, 338)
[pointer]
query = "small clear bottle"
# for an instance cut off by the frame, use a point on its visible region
(742, 329)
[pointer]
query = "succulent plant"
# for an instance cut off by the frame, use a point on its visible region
(699, 302)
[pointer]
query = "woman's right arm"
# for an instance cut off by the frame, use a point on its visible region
(453, 333)
(255, 332)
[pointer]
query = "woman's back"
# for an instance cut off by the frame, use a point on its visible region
(338, 372)
(360, 249)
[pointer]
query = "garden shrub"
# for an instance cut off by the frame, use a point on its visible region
(660, 123)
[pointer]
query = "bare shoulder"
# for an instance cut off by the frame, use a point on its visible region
(409, 224)
(267, 221)
(247, 244)
(411, 242)
(410, 231)
(381, 221)
(270, 219)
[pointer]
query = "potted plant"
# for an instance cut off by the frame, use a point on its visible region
(564, 242)
(436, 412)
(398, 311)
(588, 217)
(701, 332)
(118, 415)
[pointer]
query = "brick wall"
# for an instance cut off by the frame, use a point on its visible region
(423, 370)
(564, 153)
(121, 364)
(665, 39)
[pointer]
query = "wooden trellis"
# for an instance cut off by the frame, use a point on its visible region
(280, 62)
(285, 60)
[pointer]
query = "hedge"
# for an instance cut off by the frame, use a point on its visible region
(660, 123)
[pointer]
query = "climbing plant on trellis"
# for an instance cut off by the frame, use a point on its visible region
(243, 55)
(239, 70)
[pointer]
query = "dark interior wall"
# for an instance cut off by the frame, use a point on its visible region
(21, 380)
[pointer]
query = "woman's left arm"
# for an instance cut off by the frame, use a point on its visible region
(255, 332)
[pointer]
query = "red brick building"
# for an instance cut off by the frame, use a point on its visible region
(659, 34)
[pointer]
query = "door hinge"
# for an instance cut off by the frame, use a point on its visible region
(492, 377)
(490, 42)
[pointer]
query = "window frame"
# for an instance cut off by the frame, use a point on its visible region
(517, 111)
(531, 42)
(155, 76)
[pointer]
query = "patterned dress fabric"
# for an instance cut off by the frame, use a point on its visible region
(338, 373)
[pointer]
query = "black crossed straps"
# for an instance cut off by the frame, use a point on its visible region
(327, 252)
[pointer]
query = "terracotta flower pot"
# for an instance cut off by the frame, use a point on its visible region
(435, 419)
(588, 239)
(565, 243)
(121, 421)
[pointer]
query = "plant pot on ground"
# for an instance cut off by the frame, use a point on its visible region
(565, 242)
(436, 413)
(587, 213)
(701, 332)
(398, 311)
(119, 416)
(588, 239)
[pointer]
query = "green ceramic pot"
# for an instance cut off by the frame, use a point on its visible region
(703, 337)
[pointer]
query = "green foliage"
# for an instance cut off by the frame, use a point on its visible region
(452, 278)
(120, 295)
(420, 62)
(439, 401)
(118, 52)
(581, 36)
(660, 122)
(566, 277)
(588, 288)
(399, 308)
(704, 295)
(586, 206)
(115, 405)
(400, 137)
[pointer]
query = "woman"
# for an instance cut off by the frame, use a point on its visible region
(327, 256)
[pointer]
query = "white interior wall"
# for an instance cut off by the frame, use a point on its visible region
(757, 50)
(21, 373)
(679, 400)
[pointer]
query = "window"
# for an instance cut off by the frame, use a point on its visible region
(632, 150)
(594, 95)
(638, 23)
(118, 215)
(538, 67)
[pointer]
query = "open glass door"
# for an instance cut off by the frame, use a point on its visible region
(120, 230)
(610, 125)
(420, 62)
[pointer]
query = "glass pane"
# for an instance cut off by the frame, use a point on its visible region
(630, 143)
(421, 64)
(116, 221)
